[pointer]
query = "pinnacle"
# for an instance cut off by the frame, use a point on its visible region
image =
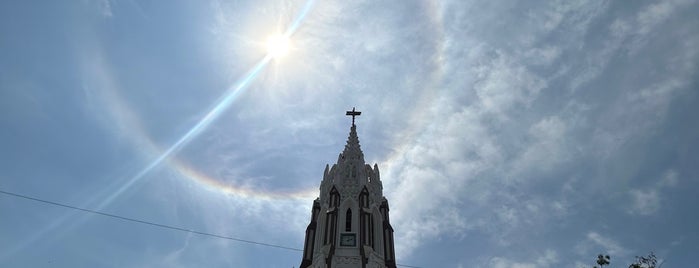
(352, 148)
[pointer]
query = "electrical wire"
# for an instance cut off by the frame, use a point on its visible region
(148, 222)
(165, 226)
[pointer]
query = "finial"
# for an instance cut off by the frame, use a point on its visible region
(353, 113)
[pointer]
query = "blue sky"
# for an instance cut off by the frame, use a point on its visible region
(530, 134)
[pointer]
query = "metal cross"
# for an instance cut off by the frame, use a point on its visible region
(353, 113)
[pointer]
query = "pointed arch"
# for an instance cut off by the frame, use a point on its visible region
(364, 198)
(334, 197)
(348, 220)
(331, 217)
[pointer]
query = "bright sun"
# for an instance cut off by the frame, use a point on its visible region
(277, 45)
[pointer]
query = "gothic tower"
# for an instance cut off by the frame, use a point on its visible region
(349, 221)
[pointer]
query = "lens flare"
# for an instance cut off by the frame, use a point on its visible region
(221, 105)
(277, 46)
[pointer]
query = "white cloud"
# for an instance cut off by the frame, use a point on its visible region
(104, 7)
(504, 83)
(547, 148)
(173, 258)
(543, 55)
(638, 30)
(548, 258)
(609, 245)
(656, 13)
(444, 165)
(499, 262)
(648, 201)
(669, 179)
(425, 180)
(630, 34)
(644, 202)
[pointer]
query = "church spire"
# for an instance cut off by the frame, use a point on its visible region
(352, 149)
(349, 221)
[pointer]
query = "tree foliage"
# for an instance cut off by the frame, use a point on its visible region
(602, 260)
(649, 261)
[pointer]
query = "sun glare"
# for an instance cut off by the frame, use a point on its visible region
(277, 46)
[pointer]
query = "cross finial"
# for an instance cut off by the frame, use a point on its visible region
(353, 113)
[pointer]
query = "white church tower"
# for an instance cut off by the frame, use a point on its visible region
(349, 221)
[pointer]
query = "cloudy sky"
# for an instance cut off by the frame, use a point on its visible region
(531, 134)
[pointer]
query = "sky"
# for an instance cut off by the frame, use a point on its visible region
(508, 133)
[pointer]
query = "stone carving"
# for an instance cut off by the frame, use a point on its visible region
(349, 191)
(347, 260)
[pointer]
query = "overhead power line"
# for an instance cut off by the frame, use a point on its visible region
(159, 224)
(148, 222)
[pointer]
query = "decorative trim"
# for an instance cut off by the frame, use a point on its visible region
(347, 260)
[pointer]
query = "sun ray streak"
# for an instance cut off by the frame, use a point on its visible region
(223, 103)
(297, 22)
(212, 115)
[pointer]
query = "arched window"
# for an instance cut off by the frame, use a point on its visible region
(334, 198)
(348, 221)
(364, 198)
